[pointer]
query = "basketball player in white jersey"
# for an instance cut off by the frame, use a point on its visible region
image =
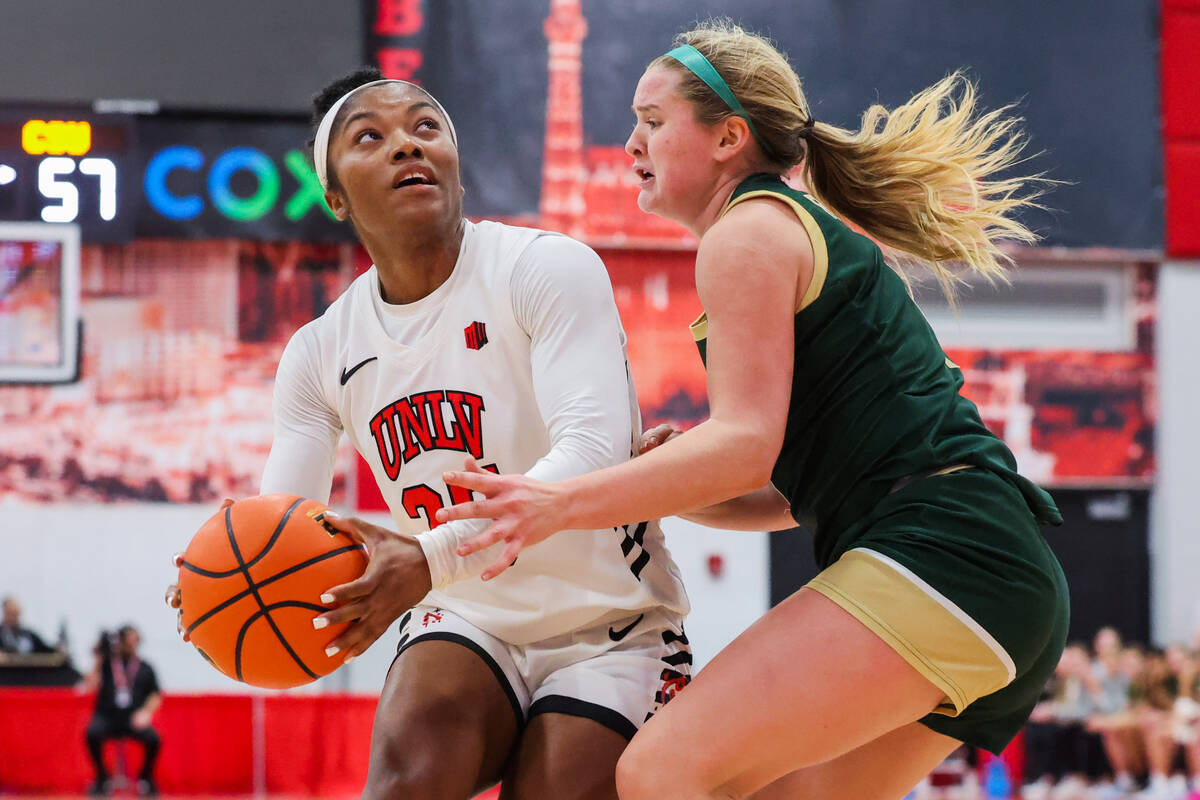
(504, 344)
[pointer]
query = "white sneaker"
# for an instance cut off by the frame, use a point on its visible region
(1108, 791)
(1038, 790)
(1158, 789)
(1071, 788)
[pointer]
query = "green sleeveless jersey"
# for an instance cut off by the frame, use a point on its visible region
(875, 400)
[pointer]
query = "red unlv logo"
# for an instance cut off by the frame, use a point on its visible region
(438, 420)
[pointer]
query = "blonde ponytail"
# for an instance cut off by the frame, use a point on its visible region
(919, 179)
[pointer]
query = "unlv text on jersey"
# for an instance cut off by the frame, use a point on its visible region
(436, 420)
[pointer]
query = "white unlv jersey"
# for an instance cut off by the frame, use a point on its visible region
(466, 385)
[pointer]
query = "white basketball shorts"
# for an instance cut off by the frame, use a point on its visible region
(618, 674)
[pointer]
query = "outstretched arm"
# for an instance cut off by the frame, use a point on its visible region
(762, 510)
(751, 267)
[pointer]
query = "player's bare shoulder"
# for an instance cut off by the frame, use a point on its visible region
(759, 242)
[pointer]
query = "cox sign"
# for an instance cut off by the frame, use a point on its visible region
(214, 180)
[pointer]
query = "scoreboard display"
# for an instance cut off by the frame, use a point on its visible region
(65, 168)
(191, 176)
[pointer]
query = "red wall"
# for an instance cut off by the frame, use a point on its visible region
(1181, 124)
(314, 745)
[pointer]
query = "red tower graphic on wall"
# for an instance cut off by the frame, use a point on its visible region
(588, 192)
(564, 175)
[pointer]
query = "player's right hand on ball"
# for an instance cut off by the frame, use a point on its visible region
(396, 579)
(659, 434)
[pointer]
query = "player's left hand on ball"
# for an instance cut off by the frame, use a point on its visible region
(174, 600)
(523, 511)
(396, 579)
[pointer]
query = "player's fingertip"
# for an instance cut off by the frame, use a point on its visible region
(327, 598)
(319, 623)
(332, 651)
(348, 659)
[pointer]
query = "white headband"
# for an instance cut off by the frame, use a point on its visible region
(321, 142)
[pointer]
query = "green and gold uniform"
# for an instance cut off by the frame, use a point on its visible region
(924, 530)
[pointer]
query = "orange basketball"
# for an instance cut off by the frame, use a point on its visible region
(251, 583)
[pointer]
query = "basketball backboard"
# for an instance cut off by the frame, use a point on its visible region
(39, 303)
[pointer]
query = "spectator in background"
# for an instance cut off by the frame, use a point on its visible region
(1157, 691)
(1175, 729)
(1041, 741)
(13, 638)
(1062, 754)
(1115, 694)
(127, 697)
(1109, 685)
(1187, 719)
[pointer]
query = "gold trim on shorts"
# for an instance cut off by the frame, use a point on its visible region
(922, 625)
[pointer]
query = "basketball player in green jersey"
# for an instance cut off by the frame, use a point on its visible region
(940, 611)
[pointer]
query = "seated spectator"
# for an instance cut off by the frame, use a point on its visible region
(127, 697)
(1185, 714)
(1188, 736)
(1159, 688)
(1062, 754)
(13, 638)
(1112, 673)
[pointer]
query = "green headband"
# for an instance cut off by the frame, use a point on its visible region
(694, 60)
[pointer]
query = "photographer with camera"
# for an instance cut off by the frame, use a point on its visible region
(127, 696)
